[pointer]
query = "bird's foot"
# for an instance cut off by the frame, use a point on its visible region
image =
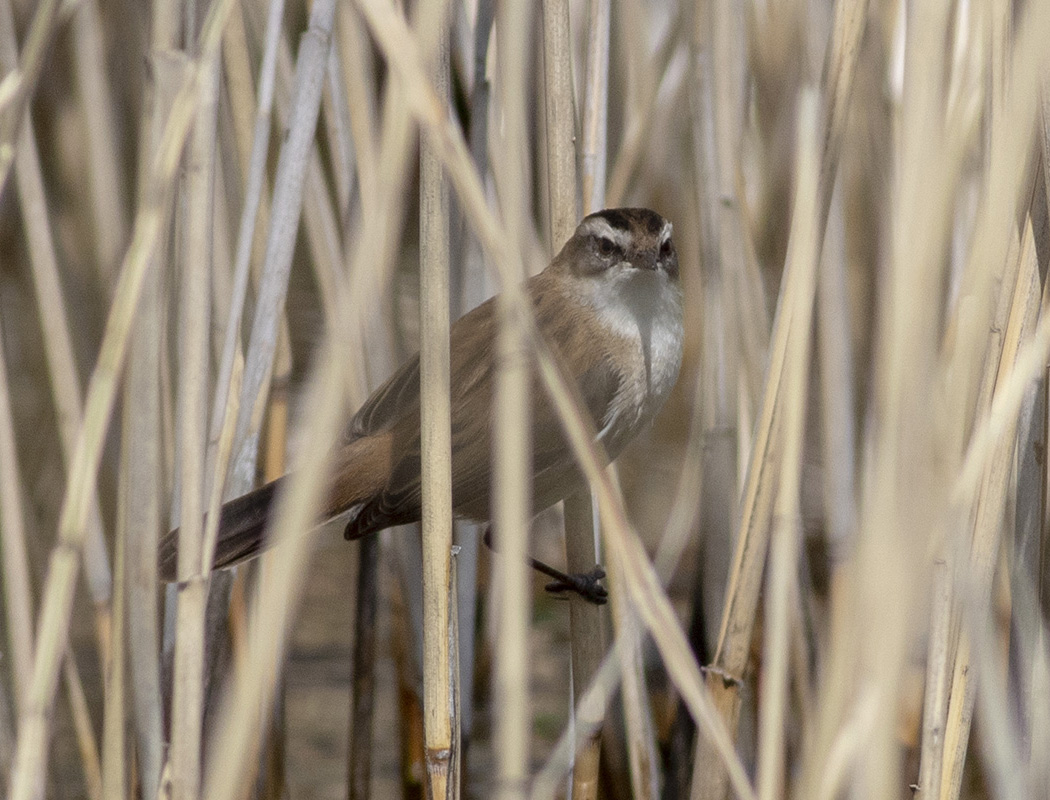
(587, 585)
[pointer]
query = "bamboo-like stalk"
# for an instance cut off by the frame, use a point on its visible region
(715, 155)
(65, 383)
(58, 592)
(192, 418)
(18, 598)
(144, 495)
(987, 529)
(512, 410)
(359, 83)
(115, 759)
(586, 622)
(86, 742)
(436, 441)
(596, 108)
(803, 256)
(107, 185)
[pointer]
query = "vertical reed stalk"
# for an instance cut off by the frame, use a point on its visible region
(192, 419)
(802, 259)
(512, 413)
(435, 442)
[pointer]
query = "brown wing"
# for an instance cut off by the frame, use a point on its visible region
(472, 371)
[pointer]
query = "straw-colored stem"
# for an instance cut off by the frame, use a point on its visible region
(58, 592)
(596, 107)
(18, 598)
(641, 741)
(192, 416)
(803, 256)
(586, 621)
(115, 759)
(108, 206)
(144, 495)
(512, 409)
(436, 433)
(987, 529)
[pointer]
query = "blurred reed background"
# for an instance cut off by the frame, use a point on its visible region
(828, 562)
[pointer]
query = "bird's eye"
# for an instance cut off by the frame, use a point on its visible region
(665, 248)
(606, 246)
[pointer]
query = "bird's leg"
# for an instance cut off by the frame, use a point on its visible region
(586, 585)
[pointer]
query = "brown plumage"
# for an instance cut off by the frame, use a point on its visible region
(610, 304)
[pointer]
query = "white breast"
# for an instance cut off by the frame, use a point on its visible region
(645, 309)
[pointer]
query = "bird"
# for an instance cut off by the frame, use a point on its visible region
(610, 305)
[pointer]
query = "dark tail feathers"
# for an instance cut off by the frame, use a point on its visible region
(242, 523)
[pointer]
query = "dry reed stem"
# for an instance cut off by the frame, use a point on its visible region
(58, 593)
(65, 382)
(785, 545)
(715, 157)
(586, 623)
(85, 731)
(641, 741)
(512, 409)
(115, 759)
(142, 499)
(596, 108)
(359, 81)
(143, 428)
(436, 436)
(108, 206)
(976, 590)
(188, 694)
(838, 420)
(18, 597)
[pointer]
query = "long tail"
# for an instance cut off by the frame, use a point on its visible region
(242, 524)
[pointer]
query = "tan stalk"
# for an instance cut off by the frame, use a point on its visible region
(585, 619)
(108, 205)
(785, 546)
(976, 588)
(436, 442)
(512, 410)
(115, 759)
(145, 495)
(192, 419)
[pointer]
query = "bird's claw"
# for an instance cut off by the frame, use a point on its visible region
(586, 585)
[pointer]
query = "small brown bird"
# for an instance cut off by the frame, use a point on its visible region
(611, 305)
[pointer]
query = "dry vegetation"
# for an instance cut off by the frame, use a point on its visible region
(222, 224)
